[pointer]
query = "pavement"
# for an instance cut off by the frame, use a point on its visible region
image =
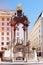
(29, 62)
(18, 63)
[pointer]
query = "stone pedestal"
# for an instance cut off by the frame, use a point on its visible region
(35, 55)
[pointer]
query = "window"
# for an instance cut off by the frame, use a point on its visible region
(7, 19)
(7, 33)
(15, 13)
(2, 48)
(39, 54)
(5, 48)
(7, 38)
(2, 28)
(2, 38)
(8, 28)
(7, 23)
(7, 43)
(2, 19)
(2, 23)
(2, 33)
(2, 43)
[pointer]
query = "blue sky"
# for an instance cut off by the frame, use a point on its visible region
(31, 8)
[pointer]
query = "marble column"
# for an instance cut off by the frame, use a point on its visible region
(26, 34)
(14, 36)
(35, 58)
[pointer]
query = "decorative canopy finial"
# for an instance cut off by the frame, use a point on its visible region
(19, 7)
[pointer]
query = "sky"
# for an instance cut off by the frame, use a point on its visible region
(31, 8)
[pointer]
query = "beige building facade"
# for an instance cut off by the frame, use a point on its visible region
(36, 35)
(5, 28)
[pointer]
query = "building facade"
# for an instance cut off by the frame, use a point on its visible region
(36, 35)
(5, 29)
